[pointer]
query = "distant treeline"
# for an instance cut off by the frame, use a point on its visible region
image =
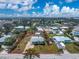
(40, 18)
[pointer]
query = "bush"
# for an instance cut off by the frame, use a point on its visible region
(9, 41)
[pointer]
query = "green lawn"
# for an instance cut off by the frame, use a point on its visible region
(47, 48)
(52, 35)
(72, 48)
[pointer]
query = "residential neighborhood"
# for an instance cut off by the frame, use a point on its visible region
(32, 39)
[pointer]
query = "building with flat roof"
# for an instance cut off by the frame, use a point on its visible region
(61, 39)
(37, 40)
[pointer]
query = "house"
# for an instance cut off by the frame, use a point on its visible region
(64, 28)
(75, 33)
(40, 29)
(38, 33)
(2, 39)
(76, 39)
(55, 30)
(20, 28)
(59, 39)
(75, 30)
(37, 40)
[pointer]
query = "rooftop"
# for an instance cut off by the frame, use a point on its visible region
(61, 38)
(37, 38)
(2, 39)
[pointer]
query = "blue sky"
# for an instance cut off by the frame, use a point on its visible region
(36, 8)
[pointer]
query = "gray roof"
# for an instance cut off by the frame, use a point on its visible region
(61, 38)
(2, 39)
(37, 39)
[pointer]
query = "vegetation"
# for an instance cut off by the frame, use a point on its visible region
(8, 27)
(21, 43)
(9, 41)
(30, 53)
(47, 48)
(72, 48)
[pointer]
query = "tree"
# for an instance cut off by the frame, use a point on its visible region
(46, 37)
(7, 27)
(9, 41)
(30, 53)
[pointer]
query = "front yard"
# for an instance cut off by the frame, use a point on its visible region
(47, 49)
(72, 48)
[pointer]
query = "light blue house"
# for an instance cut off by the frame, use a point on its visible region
(37, 40)
(61, 39)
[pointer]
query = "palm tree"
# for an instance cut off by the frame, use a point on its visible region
(31, 53)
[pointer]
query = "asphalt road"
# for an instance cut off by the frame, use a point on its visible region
(42, 56)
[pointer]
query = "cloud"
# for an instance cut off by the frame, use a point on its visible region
(55, 11)
(68, 1)
(13, 4)
(50, 10)
(2, 5)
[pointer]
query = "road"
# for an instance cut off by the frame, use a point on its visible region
(42, 56)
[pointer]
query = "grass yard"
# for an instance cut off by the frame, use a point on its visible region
(52, 35)
(47, 49)
(72, 48)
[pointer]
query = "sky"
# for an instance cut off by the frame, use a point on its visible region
(39, 8)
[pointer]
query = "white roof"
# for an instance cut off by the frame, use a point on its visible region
(54, 27)
(21, 27)
(37, 33)
(61, 38)
(62, 44)
(2, 39)
(76, 39)
(64, 27)
(40, 28)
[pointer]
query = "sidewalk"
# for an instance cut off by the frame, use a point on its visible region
(28, 45)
